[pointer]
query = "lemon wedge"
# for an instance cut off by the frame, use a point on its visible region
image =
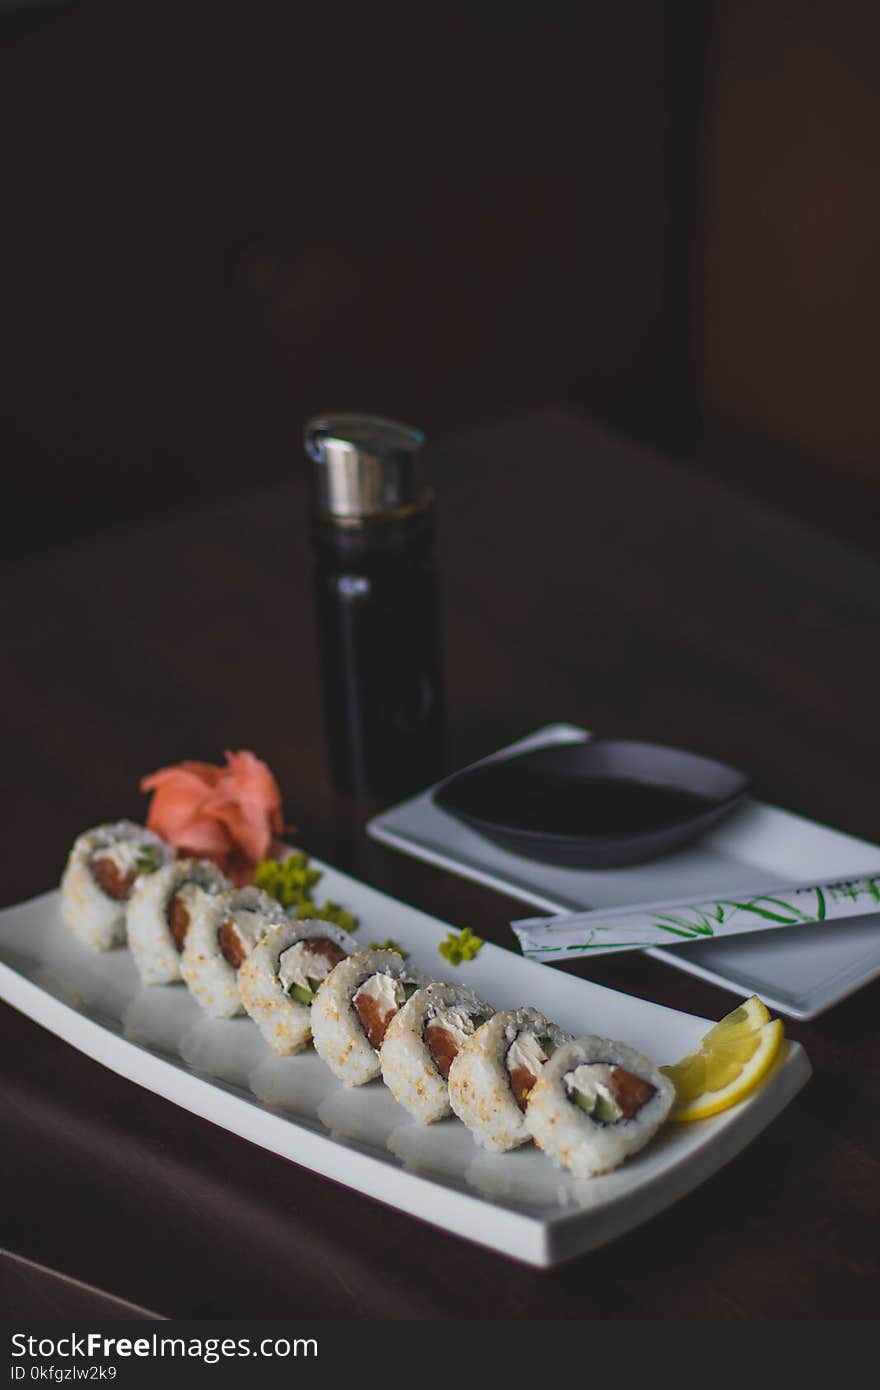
(749, 1016)
(733, 1058)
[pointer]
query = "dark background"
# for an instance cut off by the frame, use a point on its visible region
(218, 219)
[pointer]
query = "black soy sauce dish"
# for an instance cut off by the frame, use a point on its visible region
(600, 804)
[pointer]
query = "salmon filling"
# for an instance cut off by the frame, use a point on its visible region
(522, 1081)
(327, 951)
(375, 1003)
(525, 1058)
(629, 1091)
(178, 919)
(303, 966)
(607, 1092)
(443, 1047)
(232, 944)
(446, 1033)
(115, 882)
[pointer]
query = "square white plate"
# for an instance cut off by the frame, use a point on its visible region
(800, 971)
(516, 1203)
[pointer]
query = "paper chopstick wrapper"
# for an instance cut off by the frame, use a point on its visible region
(601, 931)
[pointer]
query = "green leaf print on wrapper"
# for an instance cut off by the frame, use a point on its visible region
(594, 931)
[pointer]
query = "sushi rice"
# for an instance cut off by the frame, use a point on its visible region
(270, 975)
(481, 1083)
(415, 1068)
(94, 915)
(173, 888)
(580, 1141)
(337, 1030)
(588, 1103)
(249, 914)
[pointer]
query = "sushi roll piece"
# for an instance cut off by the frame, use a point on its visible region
(160, 911)
(282, 975)
(102, 869)
(595, 1103)
(223, 930)
(353, 1008)
(494, 1074)
(421, 1044)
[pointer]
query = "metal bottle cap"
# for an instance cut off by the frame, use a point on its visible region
(365, 467)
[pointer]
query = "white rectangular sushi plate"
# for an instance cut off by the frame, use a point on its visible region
(799, 971)
(517, 1204)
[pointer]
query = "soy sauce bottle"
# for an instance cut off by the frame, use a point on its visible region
(376, 595)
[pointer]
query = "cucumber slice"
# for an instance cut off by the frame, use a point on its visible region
(301, 994)
(587, 1103)
(606, 1111)
(599, 1107)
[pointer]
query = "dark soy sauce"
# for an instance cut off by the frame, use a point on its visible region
(553, 805)
(377, 607)
(379, 632)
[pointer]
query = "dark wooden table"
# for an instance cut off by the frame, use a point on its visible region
(583, 580)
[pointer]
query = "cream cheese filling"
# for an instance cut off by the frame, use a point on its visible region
(590, 1078)
(526, 1054)
(124, 854)
(455, 1021)
(387, 993)
(247, 928)
(301, 963)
